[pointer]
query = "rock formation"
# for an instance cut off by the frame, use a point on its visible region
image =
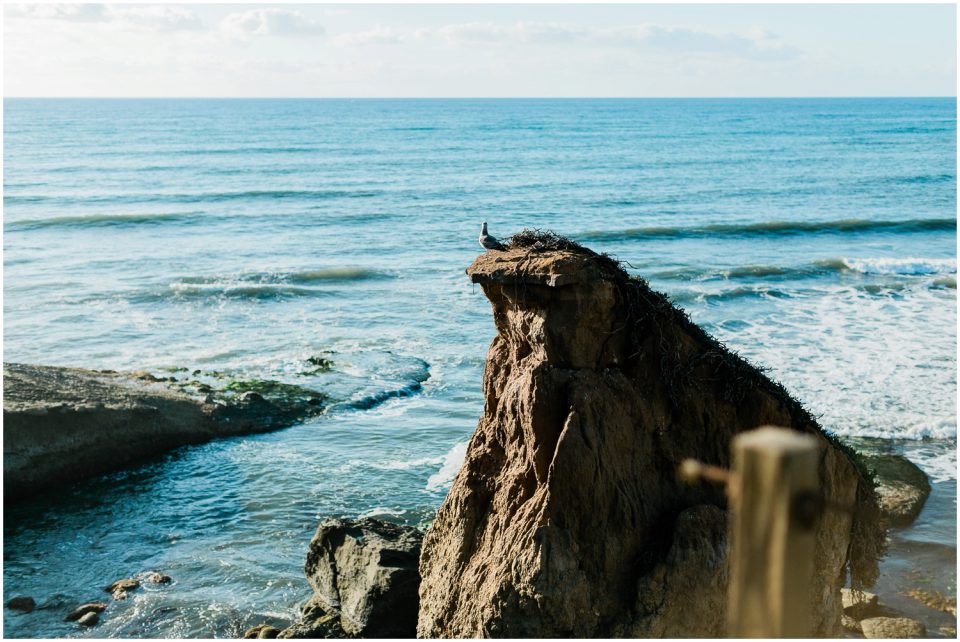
(567, 518)
(897, 628)
(902, 487)
(64, 424)
(365, 580)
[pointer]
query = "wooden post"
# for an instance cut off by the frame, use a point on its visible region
(773, 484)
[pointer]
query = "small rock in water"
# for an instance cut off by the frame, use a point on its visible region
(83, 609)
(261, 632)
(124, 585)
(90, 619)
(24, 603)
(159, 578)
(893, 627)
(119, 594)
(858, 604)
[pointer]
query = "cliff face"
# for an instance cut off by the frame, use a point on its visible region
(567, 518)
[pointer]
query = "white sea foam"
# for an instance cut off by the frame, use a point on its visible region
(380, 510)
(410, 463)
(864, 364)
(451, 465)
(939, 467)
(902, 266)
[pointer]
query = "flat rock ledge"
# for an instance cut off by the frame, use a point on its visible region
(61, 425)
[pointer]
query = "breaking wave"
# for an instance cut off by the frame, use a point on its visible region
(840, 265)
(104, 220)
(194, 197)
(776, 229)
(323, 275)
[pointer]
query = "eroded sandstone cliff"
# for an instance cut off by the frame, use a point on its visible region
(567, 517)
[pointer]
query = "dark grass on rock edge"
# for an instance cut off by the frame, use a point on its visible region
(651, 310)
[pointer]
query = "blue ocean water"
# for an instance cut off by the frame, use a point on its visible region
(816, 237)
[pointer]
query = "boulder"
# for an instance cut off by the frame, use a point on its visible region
(261, 632)
(858, 604)
(123, 586)
(24, 604)
(892, 627)
(567, 518)
(84, 609)
(89, 619)
(316, 622)
(158, 578)
(365, 579)
(902, 487)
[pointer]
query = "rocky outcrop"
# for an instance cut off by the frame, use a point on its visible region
(365, 578)
(64, 424)
(902, 487)
(23, 603)
(567, 518)
(897, 628)
(85, 609)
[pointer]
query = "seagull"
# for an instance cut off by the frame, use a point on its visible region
(488, 242)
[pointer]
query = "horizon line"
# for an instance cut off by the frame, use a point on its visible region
(821, 97)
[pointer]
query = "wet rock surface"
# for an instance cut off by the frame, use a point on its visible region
(567, 517)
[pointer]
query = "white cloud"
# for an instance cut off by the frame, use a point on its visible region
(159, 18)
(67, 12)
(756, 43)
(156, 18)
(270, 22)
(379, 35)
(520, 32)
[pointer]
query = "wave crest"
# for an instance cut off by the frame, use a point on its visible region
(775, 229)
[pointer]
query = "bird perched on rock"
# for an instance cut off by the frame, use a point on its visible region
(488, 242)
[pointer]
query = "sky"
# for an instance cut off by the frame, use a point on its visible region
(363, 50)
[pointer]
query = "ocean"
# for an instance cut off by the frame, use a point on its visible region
(816, 237)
